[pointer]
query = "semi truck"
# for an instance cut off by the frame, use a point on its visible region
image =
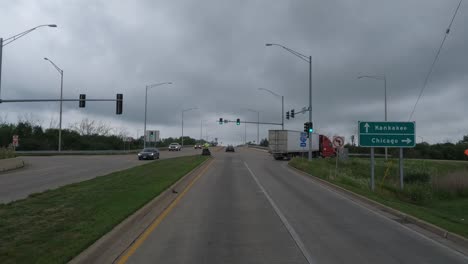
(285, 144)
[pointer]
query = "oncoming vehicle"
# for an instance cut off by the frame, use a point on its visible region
(197, 146)
(230, 148)
(149, 153)
(175, 147)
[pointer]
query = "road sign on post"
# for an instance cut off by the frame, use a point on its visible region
(338, 142)
(387, 134)
(15, 141)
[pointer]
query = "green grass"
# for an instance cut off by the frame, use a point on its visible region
(418, 199)
(56, 225)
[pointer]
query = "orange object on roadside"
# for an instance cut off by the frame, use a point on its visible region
(466, 152)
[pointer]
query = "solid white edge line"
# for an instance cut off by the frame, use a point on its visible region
(347, 198)
(286, 223)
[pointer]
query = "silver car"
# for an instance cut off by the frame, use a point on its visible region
(175, 147)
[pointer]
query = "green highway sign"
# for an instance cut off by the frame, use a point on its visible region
(387, 134)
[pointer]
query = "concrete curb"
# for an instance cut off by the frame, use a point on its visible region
(109, 247)
(455, 238)
(11, 164)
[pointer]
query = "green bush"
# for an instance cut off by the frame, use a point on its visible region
(418, 193)
(6, 153)
(417, 177)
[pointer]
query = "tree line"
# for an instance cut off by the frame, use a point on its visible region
(85, 135)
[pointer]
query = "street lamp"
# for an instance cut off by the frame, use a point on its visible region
(146, 105)
(282, 104)
(382, 78)
(60, 71)
(4, 42)
(258, 124)
(307, 59)
(183, 111)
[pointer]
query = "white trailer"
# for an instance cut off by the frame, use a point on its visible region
(289, 143)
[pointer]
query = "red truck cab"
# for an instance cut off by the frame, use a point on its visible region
(326, 147)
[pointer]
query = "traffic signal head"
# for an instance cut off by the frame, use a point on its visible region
(82, 102)
(311, 127)
(306, 127)
(292, 113)
(238, 121)
(287, 115)
(119, 104)
(220, 120)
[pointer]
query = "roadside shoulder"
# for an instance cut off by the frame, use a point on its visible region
(459, 241)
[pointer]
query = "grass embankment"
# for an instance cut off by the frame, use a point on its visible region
(435, 191)
(56, 225)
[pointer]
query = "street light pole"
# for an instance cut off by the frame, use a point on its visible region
(4, 42)
(183, 123)
(282, 104)
(307, 59)
(382, 78)
(146, 106)
(258, 128)
(258, 124)
(61, 98)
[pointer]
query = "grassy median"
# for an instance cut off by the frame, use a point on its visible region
(435, 191)
(56, 225)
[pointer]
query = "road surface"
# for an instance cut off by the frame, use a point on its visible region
(248, 208)
(49, 172)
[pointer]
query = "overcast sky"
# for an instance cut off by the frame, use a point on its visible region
(214, 53)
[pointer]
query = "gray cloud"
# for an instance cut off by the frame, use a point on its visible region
(214, 52)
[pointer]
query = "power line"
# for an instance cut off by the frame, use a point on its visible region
(435, 60)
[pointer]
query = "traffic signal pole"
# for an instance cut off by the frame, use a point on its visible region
(310, 106)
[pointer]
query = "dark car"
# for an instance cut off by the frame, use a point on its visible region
(230, 148)
(149, 153)
(197, 146)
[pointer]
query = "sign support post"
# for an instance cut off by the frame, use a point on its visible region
(372, 168)
(401, 169)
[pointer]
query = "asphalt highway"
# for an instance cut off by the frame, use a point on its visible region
(48, 172)
(249, 208)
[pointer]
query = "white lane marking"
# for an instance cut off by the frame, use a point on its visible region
(285, 221)
(376, 212)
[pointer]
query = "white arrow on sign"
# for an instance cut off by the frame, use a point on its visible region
(407, 140)
(366, 125)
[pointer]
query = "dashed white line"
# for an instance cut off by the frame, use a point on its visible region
(285, 221)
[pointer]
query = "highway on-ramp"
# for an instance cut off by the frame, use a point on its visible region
(248, 208)
(49, 172)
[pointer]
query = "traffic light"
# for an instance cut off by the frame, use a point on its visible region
(292, 113)
(119, 104)
(82, 102)
(287, 115)
(308, 128)
(238, 121)
(220, 120)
